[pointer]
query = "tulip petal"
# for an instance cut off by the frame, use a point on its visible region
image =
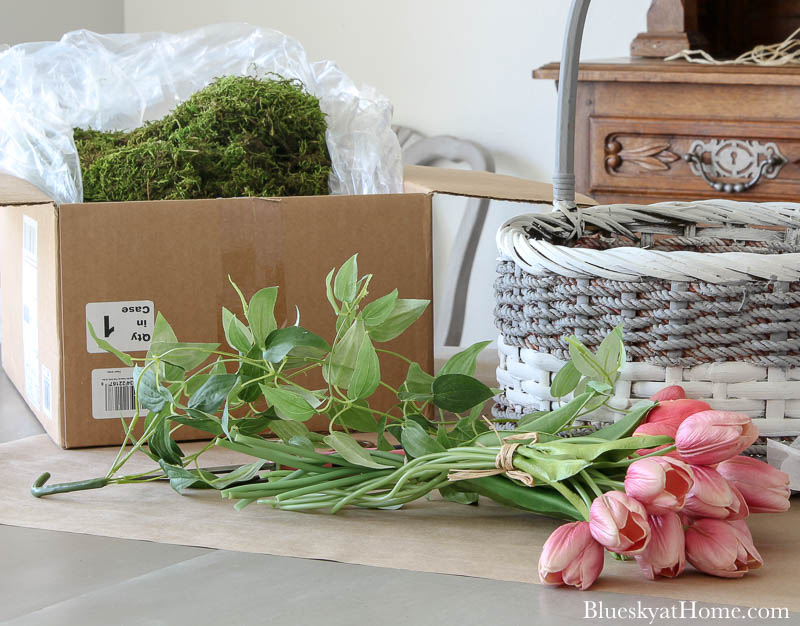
(710, 437)
(764, 488)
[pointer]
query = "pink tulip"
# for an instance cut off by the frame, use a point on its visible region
(722, 548)
(665, 554)
(710, 437)
(571, 557)
(660, 483)
(657, 428)
(619, 523)
(713, 496)
(674, 412)
(673, 392)
(765, 489)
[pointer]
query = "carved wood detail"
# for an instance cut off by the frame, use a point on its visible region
(645, 154)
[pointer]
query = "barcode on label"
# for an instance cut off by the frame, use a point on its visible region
(120, 398)
(113, 393)
(29, 238)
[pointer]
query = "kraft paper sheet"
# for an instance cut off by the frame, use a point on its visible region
(487, 541)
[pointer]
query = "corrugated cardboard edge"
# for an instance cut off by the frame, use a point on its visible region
(475, 184)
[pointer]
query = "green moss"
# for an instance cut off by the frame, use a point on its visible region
(240, 136)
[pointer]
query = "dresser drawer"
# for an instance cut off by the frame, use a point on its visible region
(747, 160)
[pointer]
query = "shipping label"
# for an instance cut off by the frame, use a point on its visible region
(128, 326)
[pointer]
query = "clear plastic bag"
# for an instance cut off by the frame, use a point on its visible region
(117, 82)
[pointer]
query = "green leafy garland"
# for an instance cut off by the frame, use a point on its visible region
(249, 400)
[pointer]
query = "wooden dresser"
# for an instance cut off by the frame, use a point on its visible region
(649, 130)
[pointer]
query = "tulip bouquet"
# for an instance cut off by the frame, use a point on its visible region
(663, 484)
(690, 504)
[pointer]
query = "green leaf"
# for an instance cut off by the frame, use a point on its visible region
(584, 360)
(314, 398)
(416, 442)
(367, 372)
(102, 343)
(240, 474)
(200, 421)
(282, 341)
(261, 314)
(288, 404)
(557, 420)
(418, 386)
(459, 393)
(603, 389)
(181, 479)
(241, 295)
(593, 451)
(286, 429)
(383, 443)
(542, 500)
(161, 444)
(624, 427)
(162, 331)
(443, 438)
(345, 283)
(225, 420)
(193, 383)
(351, 451)
(299, 441)
(210, 396)
(395, 430)
(356, 417)
(404, 313)
(418, 381)
(149, 393)
(171, 373)
(583, 387)
(611, 351)
(465, 361)
(377, 311)
(187, 356)
(544, 469)
(258, 424)
(248, 371)
(455, 493)
(565, 381)
(341, 362)
(472, 427)
(238, 335)
(329, 291)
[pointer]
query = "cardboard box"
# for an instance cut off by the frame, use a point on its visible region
(118, 263)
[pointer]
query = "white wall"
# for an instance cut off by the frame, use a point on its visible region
(47, 20)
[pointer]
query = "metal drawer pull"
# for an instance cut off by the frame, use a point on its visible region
(734, 158)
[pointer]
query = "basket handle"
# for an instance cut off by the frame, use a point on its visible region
(564, 176)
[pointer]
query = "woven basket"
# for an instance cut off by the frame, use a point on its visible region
(708, 293)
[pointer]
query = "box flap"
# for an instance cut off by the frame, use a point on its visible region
(475, 184)
(14, 190)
